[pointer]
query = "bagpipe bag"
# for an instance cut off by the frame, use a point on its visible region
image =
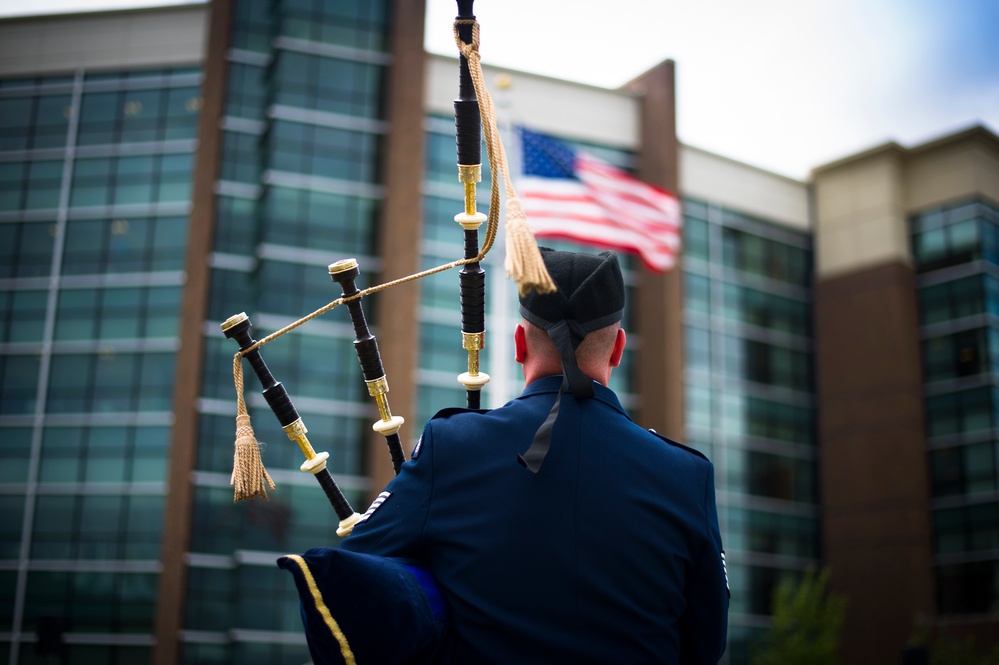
(361, 609)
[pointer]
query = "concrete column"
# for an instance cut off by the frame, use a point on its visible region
(873, 461)
(658, 305)
(172, 591)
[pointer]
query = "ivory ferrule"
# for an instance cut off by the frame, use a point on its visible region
(347, 525)
(316, 463)
(473, 381)
(472, 221)
(388, 427)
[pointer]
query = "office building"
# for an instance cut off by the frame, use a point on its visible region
(829, 343)
(904, 241)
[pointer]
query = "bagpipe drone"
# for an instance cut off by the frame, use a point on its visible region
(346, 596)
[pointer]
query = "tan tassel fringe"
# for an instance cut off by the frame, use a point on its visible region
(249, 477)
(248, 473)
(523, 258)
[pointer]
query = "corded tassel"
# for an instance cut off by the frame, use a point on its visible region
(248, 473)
(523, 258)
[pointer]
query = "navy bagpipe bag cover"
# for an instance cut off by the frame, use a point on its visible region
(366, 609)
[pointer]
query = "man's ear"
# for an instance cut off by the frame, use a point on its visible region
(520, 343)
(619, 343)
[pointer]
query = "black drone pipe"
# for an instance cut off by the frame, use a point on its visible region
(238, 328)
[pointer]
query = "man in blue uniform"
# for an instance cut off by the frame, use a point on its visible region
(558, 530)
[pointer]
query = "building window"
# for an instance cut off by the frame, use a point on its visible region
(967, 353)
(955, 235)
(118, 313)
(140, 179)
(342, 224)
(110, 381)
(959, 298)
(359, 24)
(93, 602)
(332, 85)
(961, 412)
(956, 248)
(18, 383)
(328, 152)
(965, 469)
(124, 244)
(968, 588)
(766, 310)
(761, 256)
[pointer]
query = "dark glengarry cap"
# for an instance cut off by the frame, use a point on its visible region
(590, 296)
(590, 293)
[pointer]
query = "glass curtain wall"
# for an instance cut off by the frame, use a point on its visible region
(95, 180)
(441, 357)
(297, 190)
(956, 249)
(750, 399)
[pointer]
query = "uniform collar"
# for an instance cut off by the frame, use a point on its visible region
(551, 384)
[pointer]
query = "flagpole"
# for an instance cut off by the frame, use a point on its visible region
(504, 387)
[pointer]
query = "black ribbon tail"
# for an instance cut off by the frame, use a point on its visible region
(572, 378)
(534, 457)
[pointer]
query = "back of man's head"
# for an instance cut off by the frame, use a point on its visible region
(592, 354)
(589, 295)
(588, 305)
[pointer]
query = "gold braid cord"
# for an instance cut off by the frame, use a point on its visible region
(523, 259)
(523, 263)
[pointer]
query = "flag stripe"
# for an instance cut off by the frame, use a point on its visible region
(586, 213)
(607, 229)
(659, 262)
(576, 199)
(597, 229)
(599, 175)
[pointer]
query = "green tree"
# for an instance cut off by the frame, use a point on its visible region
(806, 623)
(945, 647)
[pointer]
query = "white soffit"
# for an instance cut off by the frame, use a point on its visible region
(570, 110)
(112, 40)
(744, 188)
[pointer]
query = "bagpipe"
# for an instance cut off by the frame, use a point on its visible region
(341, 592)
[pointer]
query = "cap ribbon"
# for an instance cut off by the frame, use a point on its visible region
(566, 336)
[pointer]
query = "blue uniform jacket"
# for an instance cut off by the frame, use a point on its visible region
(609, 554)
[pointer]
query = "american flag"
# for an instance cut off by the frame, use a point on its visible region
(570, 195)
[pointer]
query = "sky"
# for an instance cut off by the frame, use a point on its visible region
(785, 85)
